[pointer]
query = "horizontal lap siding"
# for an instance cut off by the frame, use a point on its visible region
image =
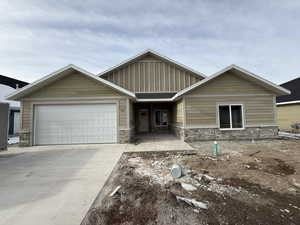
(122, 114)
(73, 85)
(202, 111)
(229, 83)
(26, 115)
(288, 115)
(178, 113)
(150, 74)
(201, 103)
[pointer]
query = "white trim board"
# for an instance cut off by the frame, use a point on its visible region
(156, 54)
(288, 103)
(55, 75)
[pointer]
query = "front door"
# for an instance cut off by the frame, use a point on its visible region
(143, 121)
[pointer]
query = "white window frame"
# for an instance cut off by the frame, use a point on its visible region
(231, 104)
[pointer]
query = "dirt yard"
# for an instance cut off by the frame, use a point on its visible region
(250, 183)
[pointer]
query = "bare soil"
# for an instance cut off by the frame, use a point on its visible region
(250, 183)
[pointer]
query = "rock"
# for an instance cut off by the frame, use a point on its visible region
(188, 187)
(208, 177)
(176, 171)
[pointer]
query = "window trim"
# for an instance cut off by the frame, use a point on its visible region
(161, 110)
(231, 104)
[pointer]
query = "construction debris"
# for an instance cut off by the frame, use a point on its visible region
(115, 191)
(176, 171)
(188, 187)
(225, 190)
(289, 135)
(193, 202)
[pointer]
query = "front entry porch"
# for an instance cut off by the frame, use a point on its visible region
(153, 117)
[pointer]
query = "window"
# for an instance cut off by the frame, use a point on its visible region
(161, 118)
(231, 116)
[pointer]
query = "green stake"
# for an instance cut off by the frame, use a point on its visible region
(216, 149)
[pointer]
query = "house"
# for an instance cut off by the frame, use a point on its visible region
(147, 93)
(7, 86)
(288, 107)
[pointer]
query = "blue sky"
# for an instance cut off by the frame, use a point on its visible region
(39, 37)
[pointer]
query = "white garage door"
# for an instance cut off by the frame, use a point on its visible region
(75, 124)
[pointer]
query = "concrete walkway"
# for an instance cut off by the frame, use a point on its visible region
(55, 185)
(158, 142)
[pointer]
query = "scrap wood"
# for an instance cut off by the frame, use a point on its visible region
(193, 202)
(115, 191)
(294, 183)
(254, 153)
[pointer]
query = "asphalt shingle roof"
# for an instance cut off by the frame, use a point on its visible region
(294, 87)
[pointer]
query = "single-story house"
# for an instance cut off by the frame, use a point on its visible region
(7, 86)
(288, 107)
(147, 93)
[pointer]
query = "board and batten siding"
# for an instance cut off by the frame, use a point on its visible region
(288, 115)
(201, 103)
(151, 74)
(73, 86)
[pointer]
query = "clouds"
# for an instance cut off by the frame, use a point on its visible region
(38, 37)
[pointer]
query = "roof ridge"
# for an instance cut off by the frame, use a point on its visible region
(156, 54)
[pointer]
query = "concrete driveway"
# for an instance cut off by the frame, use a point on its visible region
(56, 185)
(53, 184)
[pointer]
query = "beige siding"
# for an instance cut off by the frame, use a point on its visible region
(202, 111)
(26, 115)
(151, 74)
(123, 114)
(131, 115)
(178, 113)
(229, 83)
(288, 115)
(74, 85)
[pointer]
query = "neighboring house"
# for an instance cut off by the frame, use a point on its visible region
(147, 93)
(288, 107)
(7, 86)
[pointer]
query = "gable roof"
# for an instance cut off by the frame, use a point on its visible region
(248, 75)
(294, 97)
(59, 73)
(154, 53)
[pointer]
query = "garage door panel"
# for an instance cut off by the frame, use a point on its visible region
(75, 124)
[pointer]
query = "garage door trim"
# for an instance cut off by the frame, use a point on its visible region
(34, 104)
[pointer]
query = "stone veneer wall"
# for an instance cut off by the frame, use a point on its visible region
(24, 138)
(126, 136)
(199, 134)
(178, 131)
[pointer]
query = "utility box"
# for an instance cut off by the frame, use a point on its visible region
(4, 109)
